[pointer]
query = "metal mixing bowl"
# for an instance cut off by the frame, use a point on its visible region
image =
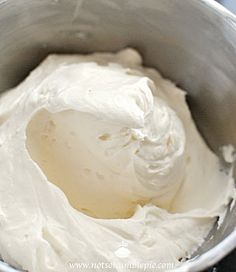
(191, 42)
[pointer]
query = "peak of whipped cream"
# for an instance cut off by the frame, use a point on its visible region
(96, 150)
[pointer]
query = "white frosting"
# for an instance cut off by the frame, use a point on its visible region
(101, 134)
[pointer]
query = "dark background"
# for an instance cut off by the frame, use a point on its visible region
(228, 264)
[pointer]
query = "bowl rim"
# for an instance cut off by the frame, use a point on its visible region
(228, 244)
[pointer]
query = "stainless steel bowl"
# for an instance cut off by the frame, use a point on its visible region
(191, 42)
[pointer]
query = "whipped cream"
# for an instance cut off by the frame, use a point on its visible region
(97, 151)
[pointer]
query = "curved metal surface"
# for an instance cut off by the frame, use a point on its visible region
(191, 42)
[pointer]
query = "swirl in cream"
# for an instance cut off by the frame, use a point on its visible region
(96, 150)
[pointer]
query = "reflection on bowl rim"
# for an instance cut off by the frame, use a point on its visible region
(212, 256)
